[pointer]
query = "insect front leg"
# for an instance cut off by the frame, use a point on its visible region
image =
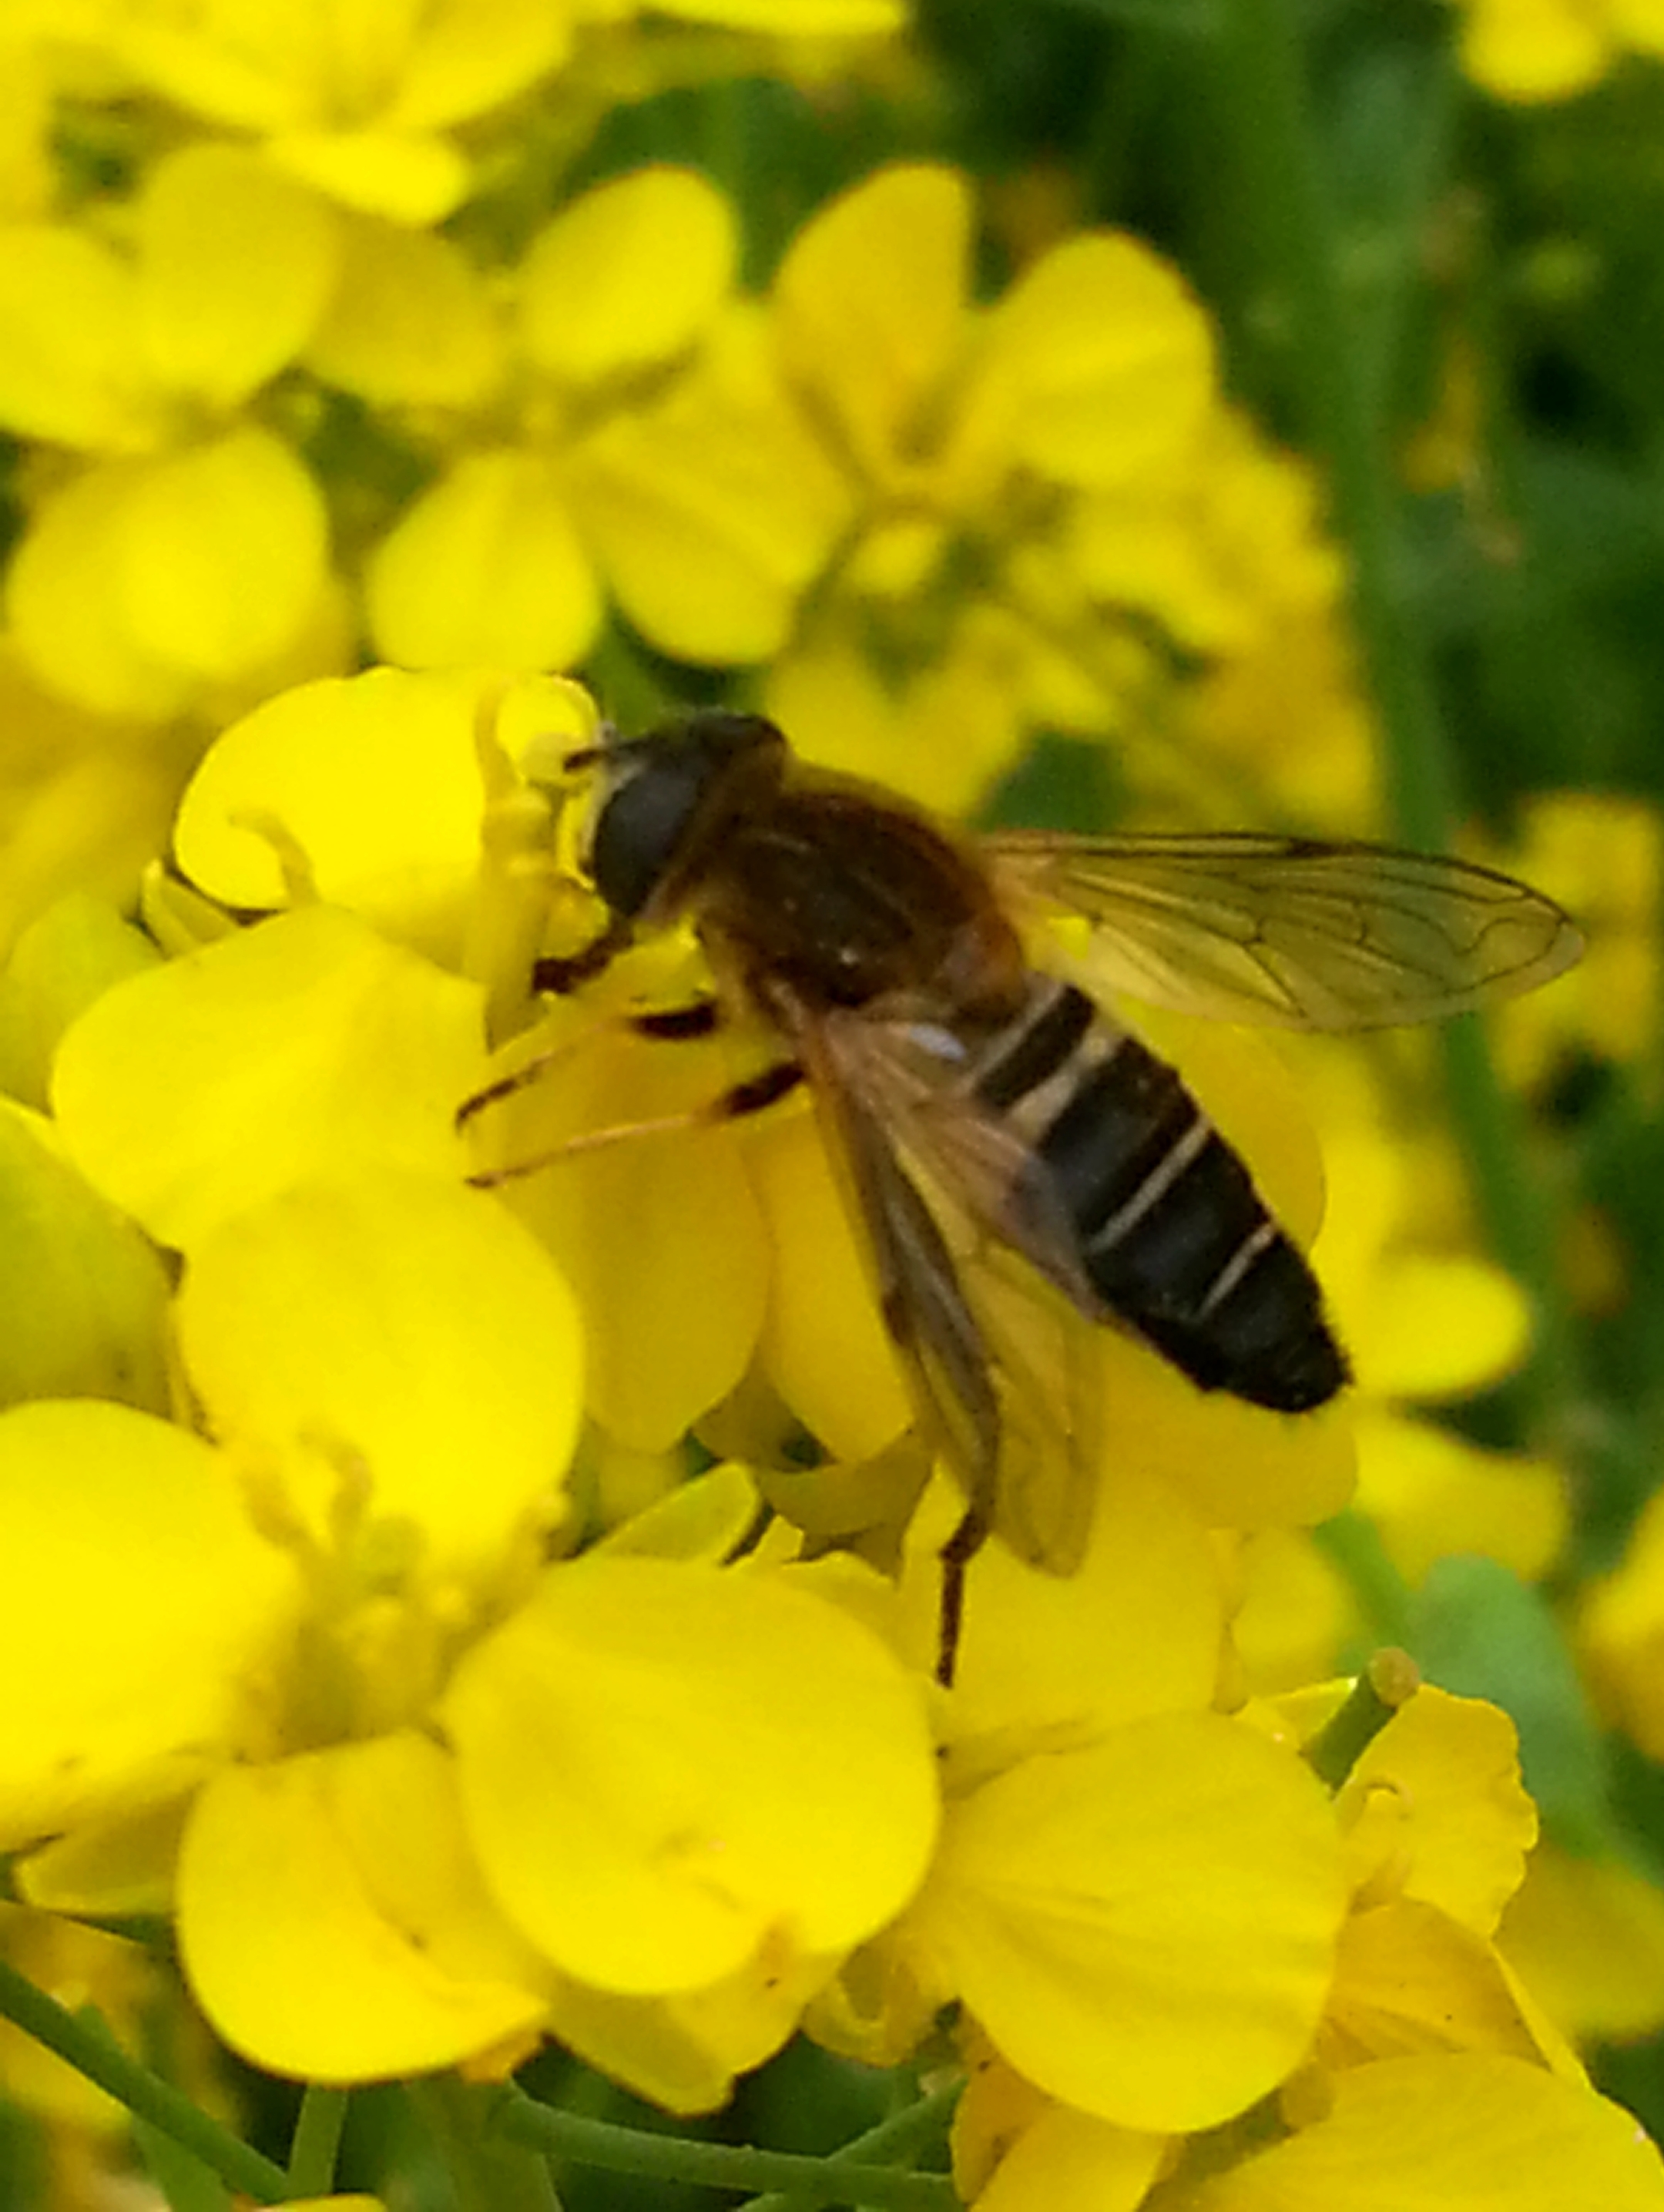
(676, 1024)
(562, 973)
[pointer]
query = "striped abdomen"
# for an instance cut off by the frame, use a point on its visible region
(1169, 1233)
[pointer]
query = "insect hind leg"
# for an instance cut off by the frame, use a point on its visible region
(974, 1530)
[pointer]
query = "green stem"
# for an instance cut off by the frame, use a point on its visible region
(85, 2045)
(489, 2171)
(807, 2182)
(1384, 1688)
(316, 2142)
(888, 2144)
(1345, 392)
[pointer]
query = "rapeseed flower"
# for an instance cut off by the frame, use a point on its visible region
(1543, 50)
(494, 1780)
(348, 1728)
(378, 111)
(1428, 1322)
(504, 560)
(178, 554)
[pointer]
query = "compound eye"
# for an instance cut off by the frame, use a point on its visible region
(665, 792)
(642, 825)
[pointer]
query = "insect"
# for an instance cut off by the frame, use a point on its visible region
(1015, 1159)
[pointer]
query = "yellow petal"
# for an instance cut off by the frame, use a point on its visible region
(466, 56)
(682, 2053)
(663, 1765)
(138, 1603)
(659, 1235)
(83, 1295)
(1438, 1326)
(1474, 2132)
(308, 1042)
(67, 369)
(1101, 359)
(1296, 1613)
(65, 600)
(1410, 1980)
(118, 1866)
(1430, 1493)
(410, 324)
(331, 1923)
(1136, 1631)
(628, 274)
(823, 1343)
(1453, 1763)
(1240, 1466)
(1621, 1632)
(376, 779)
(1588, 1936)
(870, 303)
(235, 264)
(406, 176)
(223, 552)
(1532, 50)
(713, 511)
(405, 1329)
(1070, 2162)
(485, 570)
(1146, 1928)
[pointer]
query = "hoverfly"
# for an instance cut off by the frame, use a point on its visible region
(975, 1099)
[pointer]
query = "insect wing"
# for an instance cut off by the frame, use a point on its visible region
(1006, 1374)
(1286, 931)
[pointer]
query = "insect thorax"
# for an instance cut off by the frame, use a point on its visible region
(846, 902)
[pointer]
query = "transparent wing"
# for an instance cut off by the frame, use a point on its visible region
(1286, 931)
(1004, 1371)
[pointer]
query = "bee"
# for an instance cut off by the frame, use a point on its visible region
(1015, 1159)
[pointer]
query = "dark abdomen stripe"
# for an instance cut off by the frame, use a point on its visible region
(1170, 1232)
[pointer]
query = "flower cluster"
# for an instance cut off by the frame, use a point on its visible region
(378, 1675)
(277, 418)
(480, 1616)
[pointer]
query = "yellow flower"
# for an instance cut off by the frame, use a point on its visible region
(1426, 1321)
(1536, 50)
(493, 564)
(1600, 857)
(1437, 1826)
(1136, 1898)
(318, 1664)
(188, 551)
(361, 108)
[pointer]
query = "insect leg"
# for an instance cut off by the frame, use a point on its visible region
(700, 1018)
(749, 1096)
(961, 1548)
(564, 973)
